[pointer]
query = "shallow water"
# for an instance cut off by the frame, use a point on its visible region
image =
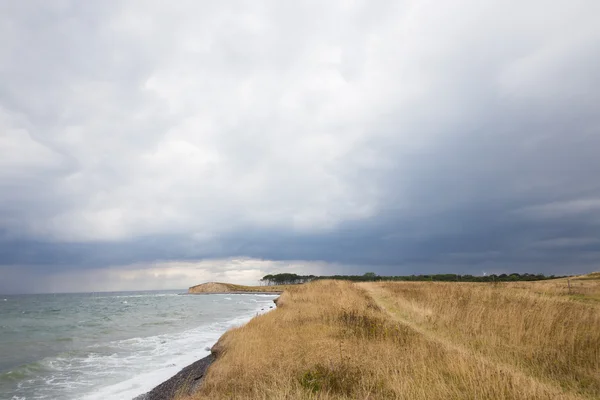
(109, 345)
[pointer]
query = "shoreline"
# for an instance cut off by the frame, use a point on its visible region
(188, 380)
(201, 293)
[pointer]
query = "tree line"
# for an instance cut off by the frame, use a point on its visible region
(291, 279)
(287, 279)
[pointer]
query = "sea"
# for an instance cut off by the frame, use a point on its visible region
(116, 345)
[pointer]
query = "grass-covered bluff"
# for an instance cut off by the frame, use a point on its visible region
(416, 340)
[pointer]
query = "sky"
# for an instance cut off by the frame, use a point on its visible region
(153, 145)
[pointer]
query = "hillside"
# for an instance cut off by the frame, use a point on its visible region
(218, 287)
(416, 340)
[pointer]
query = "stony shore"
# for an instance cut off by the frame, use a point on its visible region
(185, 382)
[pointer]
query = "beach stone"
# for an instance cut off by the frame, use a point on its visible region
(185, 382)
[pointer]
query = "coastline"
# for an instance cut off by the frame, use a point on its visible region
(188, 380)
(201, 293)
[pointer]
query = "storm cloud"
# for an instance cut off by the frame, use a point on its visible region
(338, 137)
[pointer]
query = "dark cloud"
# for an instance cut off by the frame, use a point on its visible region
(395, 137)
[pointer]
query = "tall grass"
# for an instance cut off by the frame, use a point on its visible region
(553, 337)
(338, 340)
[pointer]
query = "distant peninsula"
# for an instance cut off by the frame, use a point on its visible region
(229, 288)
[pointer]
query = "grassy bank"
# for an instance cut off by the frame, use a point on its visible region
(404, 340)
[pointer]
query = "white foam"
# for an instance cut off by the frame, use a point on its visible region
(137, 296)
(155, 359)
(124, 369)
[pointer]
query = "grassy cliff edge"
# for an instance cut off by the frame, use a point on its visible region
(416, 340)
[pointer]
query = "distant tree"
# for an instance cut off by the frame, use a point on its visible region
(286, 279)
(290, 279)
(370, 275)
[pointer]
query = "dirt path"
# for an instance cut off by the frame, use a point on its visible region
(386, 301)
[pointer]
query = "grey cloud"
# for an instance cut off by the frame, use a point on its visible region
(385, 135)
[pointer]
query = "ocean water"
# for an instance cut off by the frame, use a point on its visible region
(109, 345)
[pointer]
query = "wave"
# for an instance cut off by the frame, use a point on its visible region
(168, 355)
(125, 296)
(120, 369)
(23, 371)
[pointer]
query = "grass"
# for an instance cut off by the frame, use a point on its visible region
(416, 340)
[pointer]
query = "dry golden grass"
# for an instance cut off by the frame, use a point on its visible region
(584, 288)
(338, 340)
(555, 338)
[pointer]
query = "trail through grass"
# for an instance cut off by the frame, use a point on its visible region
(408, 340)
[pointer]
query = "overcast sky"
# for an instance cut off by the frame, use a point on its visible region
(152, 144)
